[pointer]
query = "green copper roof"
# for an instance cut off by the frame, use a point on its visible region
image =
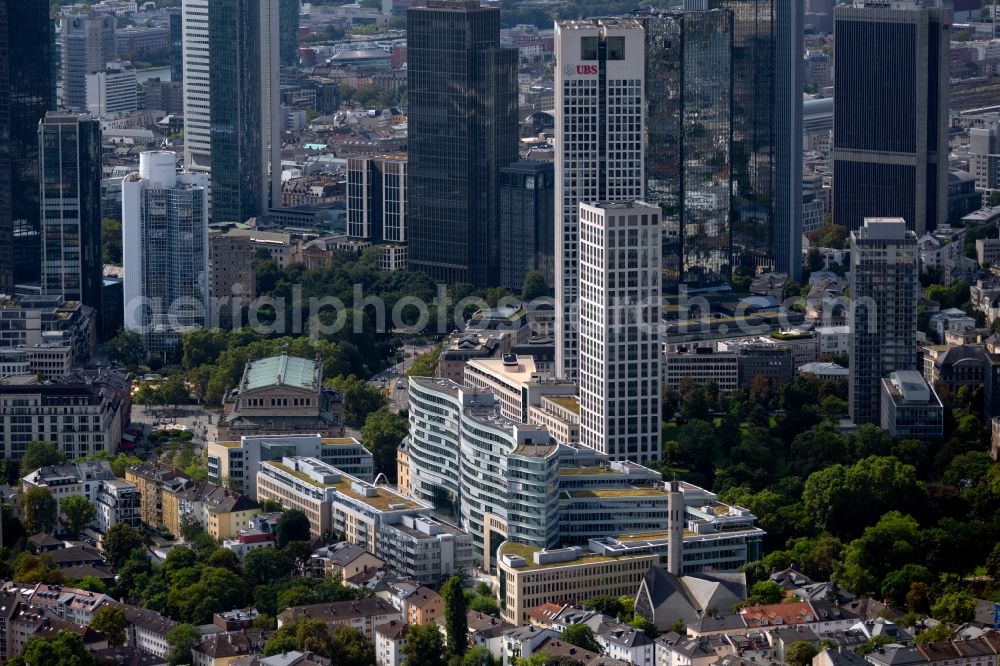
(285, 370)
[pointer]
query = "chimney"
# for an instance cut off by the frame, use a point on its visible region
(675, 529)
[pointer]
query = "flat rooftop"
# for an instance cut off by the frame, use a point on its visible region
(528, 553)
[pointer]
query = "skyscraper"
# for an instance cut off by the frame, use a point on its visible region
(176, 24)
(377, 198)
(70, 151)
(245, 143)
(767, 135)
(620, 302)
(599, 89)
(891, 92)
(288, 23)
(527, 222)
(197, 86)
(462, 119)
(688, 141)
(165, 234)
(88, 45)
(883, 311)
(27, 92)
(6, 217)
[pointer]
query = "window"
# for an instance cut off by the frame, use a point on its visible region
(616, 48)
(588, 48)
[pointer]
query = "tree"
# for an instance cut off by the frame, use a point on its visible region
(41, 454)
(77, 513)
(643, 625)
(110, 621)
(582, 636)
(350, 648)
(954, 607)
(38, 510)
(29, 568)
(270, 506)
(477, 656)
(424, 645)
(180, 640)
(265, 565)
(360, 400)
(293, 525)
(382, 432)
(534, 286)
(799, 653)
(765, 592)
(119, 543)
(127, 348)
(993, 564)
(939, 632)
(606, 605)
(174, 391)
(66, 649)
(455, 620)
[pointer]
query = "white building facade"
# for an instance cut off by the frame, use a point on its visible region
(599, 89)
(620, 300)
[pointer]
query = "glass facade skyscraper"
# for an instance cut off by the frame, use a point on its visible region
(70, 150)
(890, 137)
(462, 117)
(527, 222)
(165, 240)
(243, 54)
(688, 142)
(27, 92)
(767, 137)
(288, 24)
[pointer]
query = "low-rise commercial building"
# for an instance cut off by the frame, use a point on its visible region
(234, 464)
(515, 382)
(530, 576)
(910, 407)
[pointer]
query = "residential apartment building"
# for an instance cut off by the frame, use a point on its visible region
(361, 614)
(80, 418)
(883, 312)
(117, 501)
(619, 316)
(599, 93)
(221, 512)
(152, 479)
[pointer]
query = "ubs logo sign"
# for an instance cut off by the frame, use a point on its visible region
(586, 69)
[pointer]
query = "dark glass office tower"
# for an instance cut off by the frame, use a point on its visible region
(767, 135)
(527, 222)
(6, 216)
(688, 142)
(289, 27)
(890, 136)
(241, 106)
(176, 45)
(462, 92)
(27, 92)
(70, 150)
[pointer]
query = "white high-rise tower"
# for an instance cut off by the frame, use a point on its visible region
(197, 97)
(620, 300)
(599, 88)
